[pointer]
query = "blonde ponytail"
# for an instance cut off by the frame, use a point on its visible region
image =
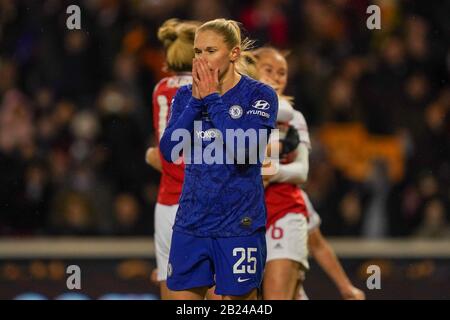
(177, 38)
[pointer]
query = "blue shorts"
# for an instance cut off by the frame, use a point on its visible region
(234, 264)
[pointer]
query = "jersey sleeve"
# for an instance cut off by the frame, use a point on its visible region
(295, 172)
(185, 110)
(299, 123)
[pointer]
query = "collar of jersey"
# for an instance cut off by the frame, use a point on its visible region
(237, 85)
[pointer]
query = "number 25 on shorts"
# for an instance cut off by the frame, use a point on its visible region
(245, 255)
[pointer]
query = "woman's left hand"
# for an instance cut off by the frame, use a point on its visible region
(207, 80)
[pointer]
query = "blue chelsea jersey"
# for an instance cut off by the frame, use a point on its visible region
(221, 198)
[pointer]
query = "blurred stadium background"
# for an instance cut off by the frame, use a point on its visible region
(75, 121)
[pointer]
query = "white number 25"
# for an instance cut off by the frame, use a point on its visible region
(245, 255)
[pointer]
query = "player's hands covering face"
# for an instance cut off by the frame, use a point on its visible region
(205, 79)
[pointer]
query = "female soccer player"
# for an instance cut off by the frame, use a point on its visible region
(219, 231)
(286, 234)
(289, 235)
(178, 40)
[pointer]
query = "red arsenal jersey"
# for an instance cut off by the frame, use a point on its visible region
(172, 174)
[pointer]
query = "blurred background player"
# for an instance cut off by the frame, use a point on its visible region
(178, 39)
(287, 230)
(221, 217)
(287, 251)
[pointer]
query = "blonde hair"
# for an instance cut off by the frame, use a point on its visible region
(247, 65)
(178, 39)
(230, 31)
(268, 49)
